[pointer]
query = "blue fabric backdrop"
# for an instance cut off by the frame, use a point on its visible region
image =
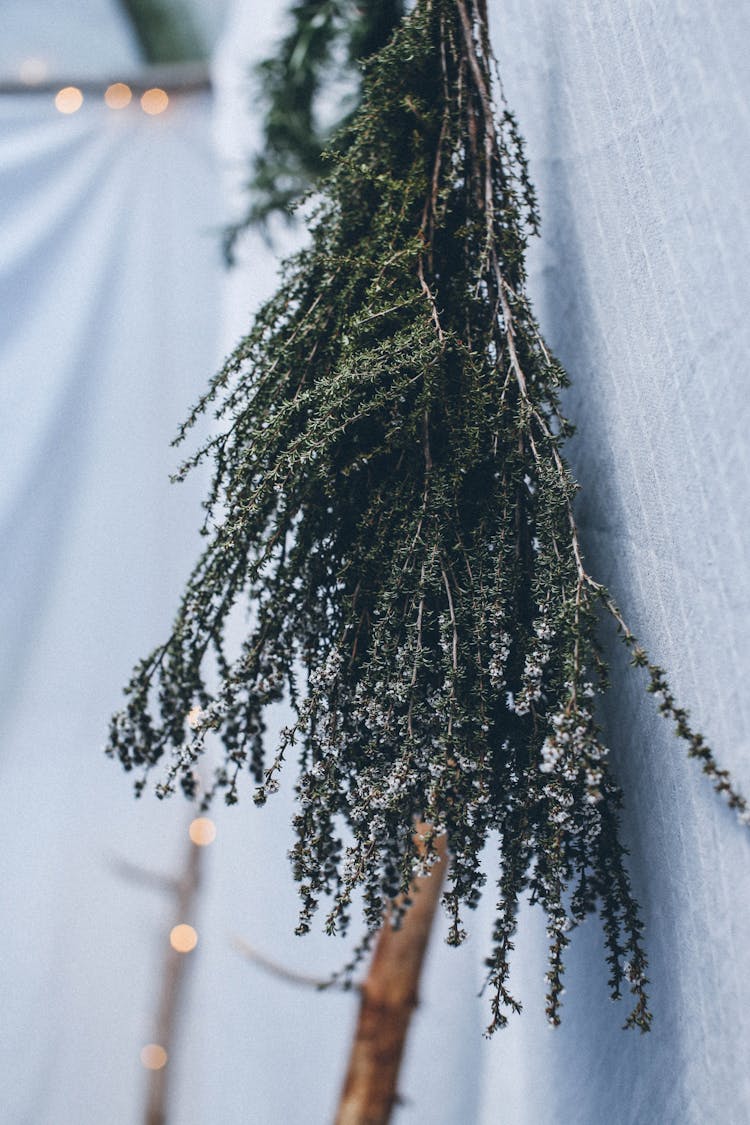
(114, 312)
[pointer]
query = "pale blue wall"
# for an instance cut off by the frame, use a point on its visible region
(637, 117)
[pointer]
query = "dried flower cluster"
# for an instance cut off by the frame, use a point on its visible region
(391, 500)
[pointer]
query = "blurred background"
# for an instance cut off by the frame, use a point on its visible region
(126, 131)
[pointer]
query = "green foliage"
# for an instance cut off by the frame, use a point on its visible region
(165, 30)
(325, 36)
(391, 505)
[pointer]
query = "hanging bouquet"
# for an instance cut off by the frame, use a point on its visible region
(391, 507)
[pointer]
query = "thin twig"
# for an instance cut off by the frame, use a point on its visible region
(172, 984)
(291, 976)
(143, 876)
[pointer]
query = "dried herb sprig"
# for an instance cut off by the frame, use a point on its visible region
(391, 499)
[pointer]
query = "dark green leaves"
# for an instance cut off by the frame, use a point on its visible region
(391, 507)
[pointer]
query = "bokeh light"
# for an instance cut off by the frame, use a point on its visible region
(202, 831)
(194, 717)
(118, 95)
(69, 99)
(154, 101)
(183, 938)
(153, 1056)
(32, 71)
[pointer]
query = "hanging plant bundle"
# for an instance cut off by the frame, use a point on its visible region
(391, 504)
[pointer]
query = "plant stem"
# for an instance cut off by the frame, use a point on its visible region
(173, 978)
(389, 996)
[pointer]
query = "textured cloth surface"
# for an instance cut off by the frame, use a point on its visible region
(637, 118)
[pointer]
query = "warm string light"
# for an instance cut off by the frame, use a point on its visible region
(68, 100)
(183, 938)
(153, 1056)
(202, 831)
(154, 101)
(194, 716)
(33, 71)
(118, 95)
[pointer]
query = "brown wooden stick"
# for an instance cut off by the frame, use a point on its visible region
(172, 983)
(389, 996)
